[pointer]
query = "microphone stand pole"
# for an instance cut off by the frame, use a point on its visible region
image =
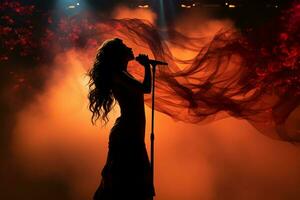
(152, 126)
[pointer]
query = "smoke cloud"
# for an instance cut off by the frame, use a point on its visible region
(52, 151)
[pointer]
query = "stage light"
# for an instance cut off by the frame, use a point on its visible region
(71, 7)
(143, 6)
(162, 16)
(231, 6)
(188, 4)
(69, 4)
(185, 6)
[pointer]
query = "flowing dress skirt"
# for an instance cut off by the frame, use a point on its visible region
(126, 174)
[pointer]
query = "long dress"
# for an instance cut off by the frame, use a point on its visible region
(127, 173)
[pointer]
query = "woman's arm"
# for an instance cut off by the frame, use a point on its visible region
(124, 79)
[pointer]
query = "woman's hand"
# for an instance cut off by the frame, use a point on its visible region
(143, 59)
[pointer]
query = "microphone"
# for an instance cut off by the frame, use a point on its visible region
(153, 62)
(157, 62)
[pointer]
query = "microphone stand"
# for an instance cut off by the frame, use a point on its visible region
(152, 125)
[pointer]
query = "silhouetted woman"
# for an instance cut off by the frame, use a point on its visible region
(126, 174)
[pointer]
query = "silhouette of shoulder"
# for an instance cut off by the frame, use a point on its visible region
(127, 81)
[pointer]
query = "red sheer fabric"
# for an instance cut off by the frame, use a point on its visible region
(252, 74)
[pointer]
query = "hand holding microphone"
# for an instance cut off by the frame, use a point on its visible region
(144, 60)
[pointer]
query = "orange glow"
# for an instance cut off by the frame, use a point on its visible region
(227, 159)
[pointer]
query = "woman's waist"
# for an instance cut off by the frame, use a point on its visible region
(131, 120)
(128, 131)
(125, 129)
(126, 137)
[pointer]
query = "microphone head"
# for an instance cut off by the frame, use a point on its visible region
(144, 58)
(157, 62)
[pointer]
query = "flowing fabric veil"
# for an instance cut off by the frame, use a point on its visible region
(251, 74)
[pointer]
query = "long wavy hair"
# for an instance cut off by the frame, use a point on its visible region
(101, 98)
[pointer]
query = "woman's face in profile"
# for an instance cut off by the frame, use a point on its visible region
(127, 52)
